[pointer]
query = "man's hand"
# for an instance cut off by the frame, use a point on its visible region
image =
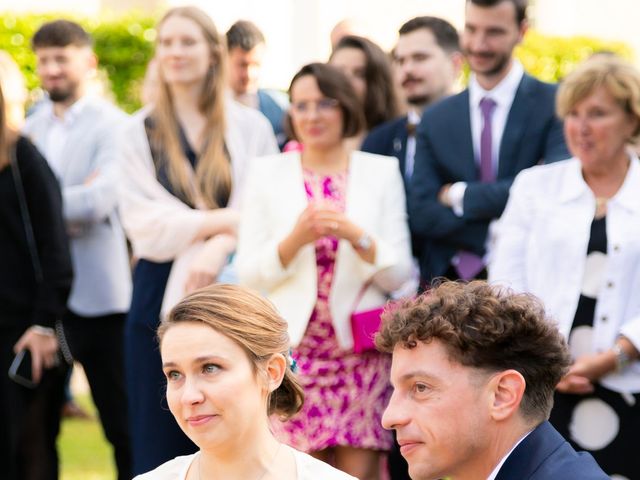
(443, 195)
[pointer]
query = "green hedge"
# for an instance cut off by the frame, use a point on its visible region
(551, 58)
(124, 45)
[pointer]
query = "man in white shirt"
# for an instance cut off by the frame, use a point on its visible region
(76, 133)
(470, 146)
(474, 369)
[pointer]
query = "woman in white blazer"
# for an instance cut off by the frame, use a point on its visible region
(570, 234)
(182, 162)
(316, 227)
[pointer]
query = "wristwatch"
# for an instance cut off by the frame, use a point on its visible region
(364, 242)
(622, 358)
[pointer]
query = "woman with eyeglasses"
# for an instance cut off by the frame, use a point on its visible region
(319, 229)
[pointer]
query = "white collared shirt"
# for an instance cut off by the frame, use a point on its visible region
(496, 470)
(58, 134)
(503, 94)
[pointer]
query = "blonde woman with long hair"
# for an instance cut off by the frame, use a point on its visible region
(182, 160)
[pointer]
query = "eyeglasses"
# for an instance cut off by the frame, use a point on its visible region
(324, 105)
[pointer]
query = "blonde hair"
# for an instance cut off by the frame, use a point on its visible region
(250, 321)
(616, 75)
(213, 173)
(12, 93)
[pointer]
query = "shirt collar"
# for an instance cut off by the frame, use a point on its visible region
(503, 93)
(413, 117)
(72, 113)
(628, 195)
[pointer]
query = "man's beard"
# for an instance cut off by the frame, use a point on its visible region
(419, 100)
(501, 61)
(60, 95)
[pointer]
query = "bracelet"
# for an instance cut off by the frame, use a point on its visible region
(622, 358)
(45, 331)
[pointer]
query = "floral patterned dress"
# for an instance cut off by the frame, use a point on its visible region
(345, 393)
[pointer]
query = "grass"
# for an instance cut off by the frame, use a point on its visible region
(84, 452)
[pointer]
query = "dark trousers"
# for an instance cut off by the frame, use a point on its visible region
(98, 344)
(30, 419)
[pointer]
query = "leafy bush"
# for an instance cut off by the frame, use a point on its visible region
(551, 58)
(124, 45)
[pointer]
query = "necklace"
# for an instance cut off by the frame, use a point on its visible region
(271, 463)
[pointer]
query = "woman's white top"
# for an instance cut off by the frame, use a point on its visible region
(158, 224)
(275, 198)
(307, 468)
(542, 244)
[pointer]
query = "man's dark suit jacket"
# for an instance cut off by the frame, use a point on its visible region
(545, 455)
(389, 138)
(444, 154)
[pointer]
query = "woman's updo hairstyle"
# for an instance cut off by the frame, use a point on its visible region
(250, 321)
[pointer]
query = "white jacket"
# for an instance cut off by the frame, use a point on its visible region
(275, 198)
(542, 245)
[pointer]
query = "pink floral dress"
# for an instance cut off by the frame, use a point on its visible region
(345, 393)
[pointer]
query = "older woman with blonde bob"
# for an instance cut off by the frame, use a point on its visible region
(570, 234)
(225, 356)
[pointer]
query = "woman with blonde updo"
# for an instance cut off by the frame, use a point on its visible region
(225, 355)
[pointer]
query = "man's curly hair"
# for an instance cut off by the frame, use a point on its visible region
(487, 328)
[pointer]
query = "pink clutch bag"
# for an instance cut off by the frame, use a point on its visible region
(364, 325)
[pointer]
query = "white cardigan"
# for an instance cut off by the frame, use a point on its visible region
(275, 198)
(159, 225)
(542, 243)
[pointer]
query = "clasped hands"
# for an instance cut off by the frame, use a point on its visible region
(585, 371)
(319, 219)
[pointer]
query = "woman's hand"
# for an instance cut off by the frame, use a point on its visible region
(585, 371)
(209, 261)
(43, 346)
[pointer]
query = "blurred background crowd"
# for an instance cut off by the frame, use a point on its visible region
(146, 157)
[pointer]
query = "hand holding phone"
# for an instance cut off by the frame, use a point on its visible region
(42, 347)
(21, 370)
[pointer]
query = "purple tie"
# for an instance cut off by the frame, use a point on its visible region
(469, 264)
(487, 106)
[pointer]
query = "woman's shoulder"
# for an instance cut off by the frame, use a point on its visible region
(175, 469)
(374, 159)
(310, 468)
(549, 176)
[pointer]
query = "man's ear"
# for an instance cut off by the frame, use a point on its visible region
(507, 389)
(524, 26)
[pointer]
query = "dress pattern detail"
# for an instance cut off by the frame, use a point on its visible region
(345, 393)
(604, 422)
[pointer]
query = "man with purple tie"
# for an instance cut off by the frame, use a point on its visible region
(471, 146)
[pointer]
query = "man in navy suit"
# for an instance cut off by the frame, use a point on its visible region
(474, 369)
(470, 146)
(427, 61)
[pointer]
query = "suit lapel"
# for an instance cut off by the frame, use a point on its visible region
(400, 137)
(530, 453)
(514, 128)
(463, 138)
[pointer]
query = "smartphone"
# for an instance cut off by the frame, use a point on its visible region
(21, 371)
